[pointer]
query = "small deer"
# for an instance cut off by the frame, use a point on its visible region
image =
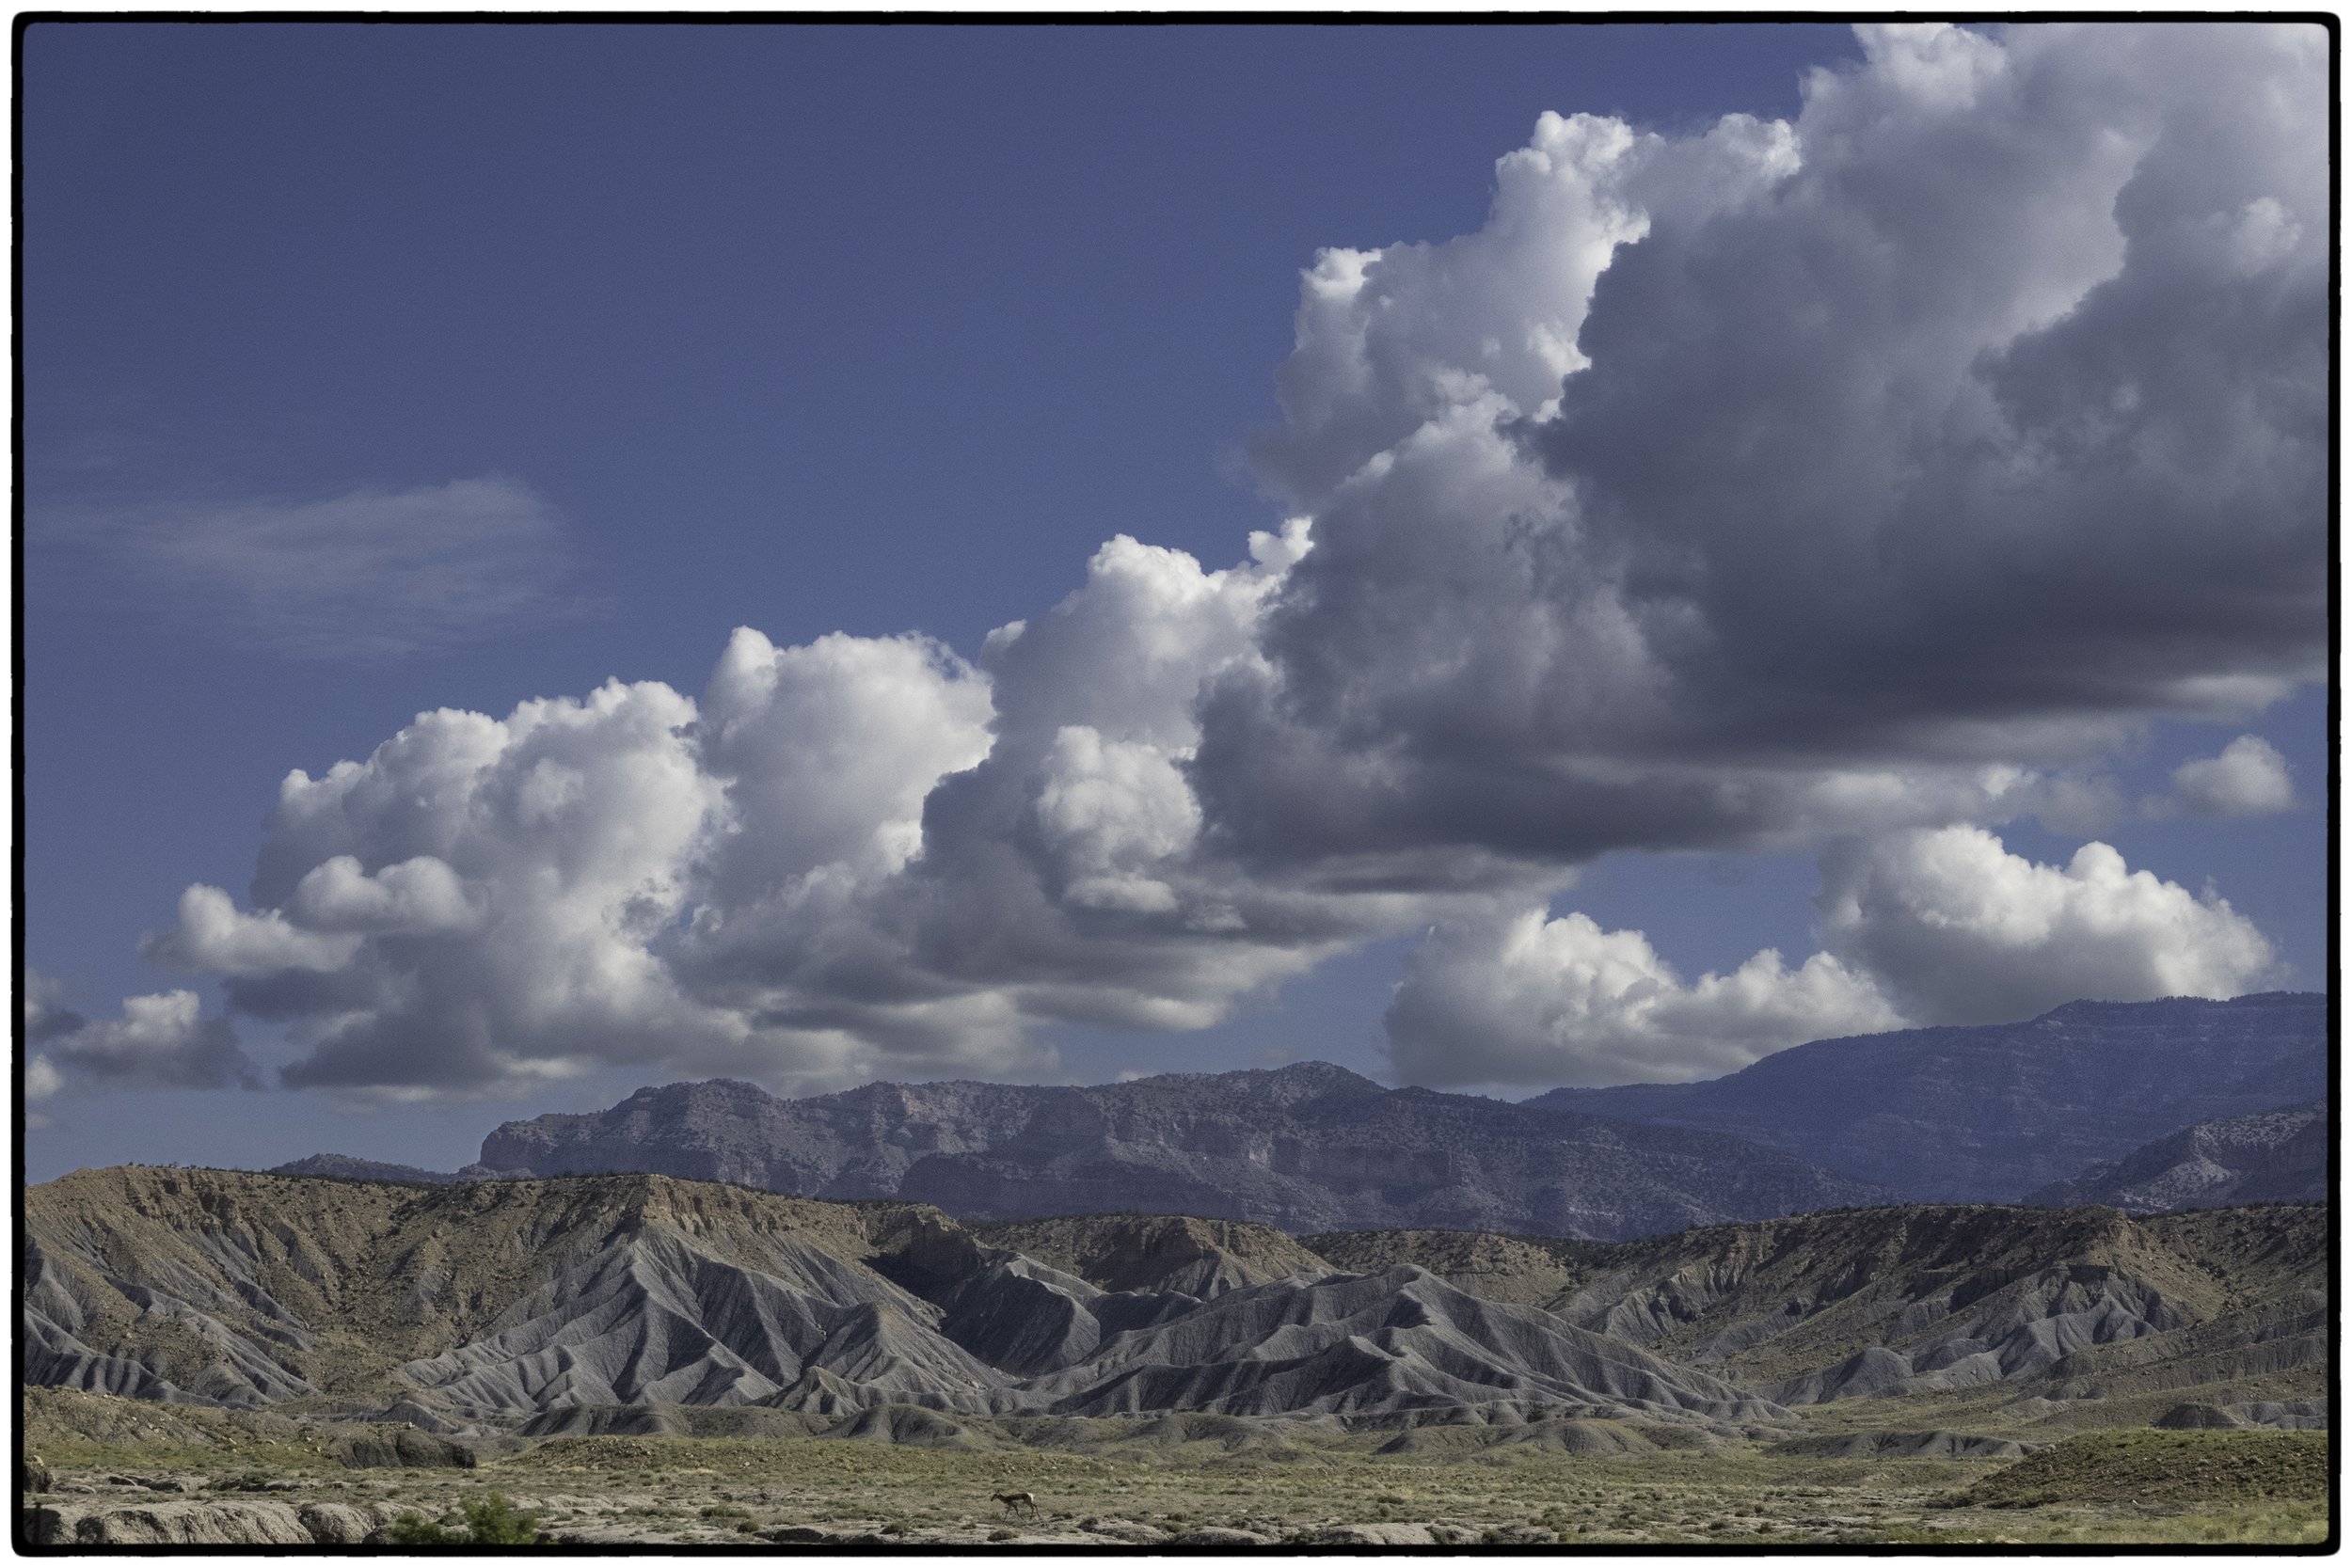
(1015, 1500)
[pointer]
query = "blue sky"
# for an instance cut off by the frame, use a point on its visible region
(377, 370)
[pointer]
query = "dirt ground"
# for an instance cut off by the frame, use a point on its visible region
(684, 1492)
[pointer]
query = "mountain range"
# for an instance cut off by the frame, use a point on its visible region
(1309, 1146)
(579, 1305)
(1991, 1113)
(2034, 1112)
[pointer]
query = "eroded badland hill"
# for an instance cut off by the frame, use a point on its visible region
(228, 1332)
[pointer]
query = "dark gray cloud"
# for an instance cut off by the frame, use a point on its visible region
(46, 1017)
(1983, 419)
(162, 1042)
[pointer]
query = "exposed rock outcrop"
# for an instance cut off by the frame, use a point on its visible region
(183, 1523)
(2271, 1157)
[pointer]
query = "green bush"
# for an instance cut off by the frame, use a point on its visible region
(491, 1521)
(415, 1530)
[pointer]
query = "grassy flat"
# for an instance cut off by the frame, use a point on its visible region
(2181, 1467)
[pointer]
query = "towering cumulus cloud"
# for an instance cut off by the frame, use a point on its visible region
(1854, 484)
(1961, 425)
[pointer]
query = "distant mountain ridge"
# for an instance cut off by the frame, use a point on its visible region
(351, 1168)
(1310, 1146)
(2271, 1157)
(1991, 1113)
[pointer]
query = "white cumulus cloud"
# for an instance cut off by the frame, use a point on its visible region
(1923, 926)
(1527, 1000)
(42, 1079)
(214, 936)
(1961, 931)
(419, 894)
(2249, 779)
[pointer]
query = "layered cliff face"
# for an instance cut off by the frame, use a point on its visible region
(1990, 1114)
(2272, 1157)
(598, 1303)
(1310, 1146)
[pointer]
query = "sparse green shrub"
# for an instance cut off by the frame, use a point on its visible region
(1001, 1534)
(415, 1530)
(487, 1521)
(492, 1521)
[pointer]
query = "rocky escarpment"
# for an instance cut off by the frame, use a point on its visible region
(2272, 1157)
(1305, 1148)
(1990, 1114)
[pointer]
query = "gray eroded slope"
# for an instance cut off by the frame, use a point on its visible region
(500, 1301)
(1922, 1300)
(507, 1304)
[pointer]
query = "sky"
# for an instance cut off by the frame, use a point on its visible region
(560, 558)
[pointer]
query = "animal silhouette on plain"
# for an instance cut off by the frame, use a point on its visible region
(1013, 1500)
